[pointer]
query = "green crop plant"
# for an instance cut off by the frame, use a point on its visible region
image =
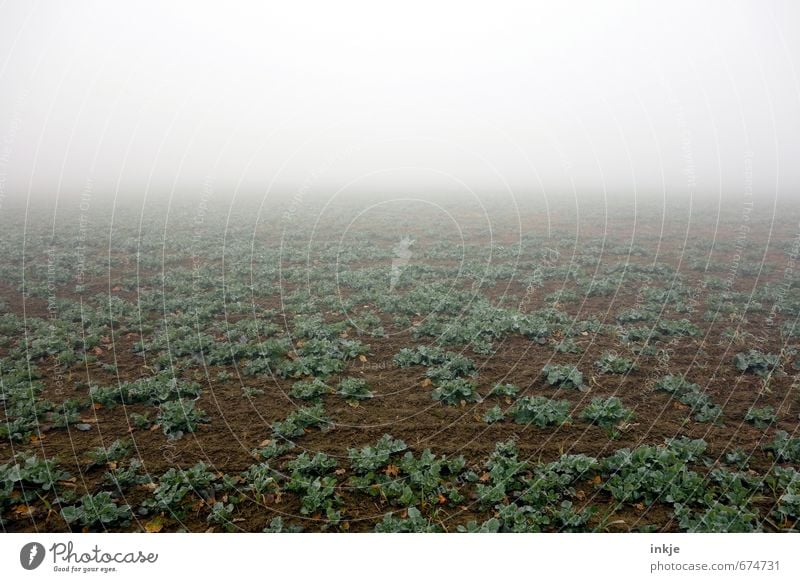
(540, 411)
(756, 362)
(371, 458)
(737, 458)
(419, 356)
(454, 366)
(176, 485)
(177, 417)
(761, 417)
(736, 488)
(613, 363)
(491, 525)
(455, 391)
(718, 518)
(701, 407)
(28, 479)
(494, 414)
(424, 480)
(296, 424)
(310, 389)
(504, 390)
(354, 389)
(650, 473)
(122, 477)
(116, 451)
(261, 480)
(568, 346)
(608, 413)
(311, 479)
(276, 525)
(413, 522)
(98, 510)
(784, 447)
(221, 514)
(563, 376)
(270, 449)
(676, 385)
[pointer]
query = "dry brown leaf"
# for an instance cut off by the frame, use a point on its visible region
(426, 382)
(392, 471)
(155, 525)
(362, 358)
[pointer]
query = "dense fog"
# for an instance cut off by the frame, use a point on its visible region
(634, 99)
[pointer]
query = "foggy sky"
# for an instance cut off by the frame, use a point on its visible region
(663, 98)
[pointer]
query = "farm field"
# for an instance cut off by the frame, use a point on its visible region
(400, 366)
